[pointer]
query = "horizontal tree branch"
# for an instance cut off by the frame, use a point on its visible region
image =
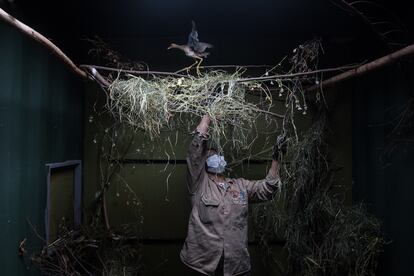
(134, 72)
(371, 66)
(292, 75)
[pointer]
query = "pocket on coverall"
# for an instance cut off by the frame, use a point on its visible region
(208, 209)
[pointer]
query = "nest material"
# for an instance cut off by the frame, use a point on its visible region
(155, 104)
(323, 236)
(92, 250)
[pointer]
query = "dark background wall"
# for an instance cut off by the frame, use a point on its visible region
(40, 122)
(383, 158)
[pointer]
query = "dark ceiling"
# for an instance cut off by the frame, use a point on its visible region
(243, 32)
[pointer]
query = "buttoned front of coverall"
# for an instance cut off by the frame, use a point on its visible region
(217, 227)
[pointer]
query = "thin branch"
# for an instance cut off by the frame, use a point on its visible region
(352, 7)
(272, 77)
(42, 40)
(391, 32)
(237, 66)
(136, 72)
(35, 231)
(270, 113)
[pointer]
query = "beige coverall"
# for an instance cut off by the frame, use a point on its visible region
(218, 219)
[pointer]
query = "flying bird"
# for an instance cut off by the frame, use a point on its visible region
(194, 48)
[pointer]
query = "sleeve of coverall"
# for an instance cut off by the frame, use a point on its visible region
(196, 161)
(264, 189)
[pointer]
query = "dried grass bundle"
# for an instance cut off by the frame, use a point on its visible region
(153, 105)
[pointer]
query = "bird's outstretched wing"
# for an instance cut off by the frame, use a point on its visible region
(202, 46)
(193, 36)
(195, 44)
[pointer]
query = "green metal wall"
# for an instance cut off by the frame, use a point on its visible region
(40, 122)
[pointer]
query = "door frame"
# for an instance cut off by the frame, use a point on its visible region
(77, 192)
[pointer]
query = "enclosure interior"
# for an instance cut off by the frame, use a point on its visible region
(49, 115)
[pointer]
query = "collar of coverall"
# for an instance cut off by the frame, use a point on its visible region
(229, 181)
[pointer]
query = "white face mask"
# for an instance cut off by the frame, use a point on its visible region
(216, 164)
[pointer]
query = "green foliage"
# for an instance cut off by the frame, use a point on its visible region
(323, 236)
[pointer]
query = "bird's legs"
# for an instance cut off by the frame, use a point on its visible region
(198, 66)
(198, 61)
(187, 69)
